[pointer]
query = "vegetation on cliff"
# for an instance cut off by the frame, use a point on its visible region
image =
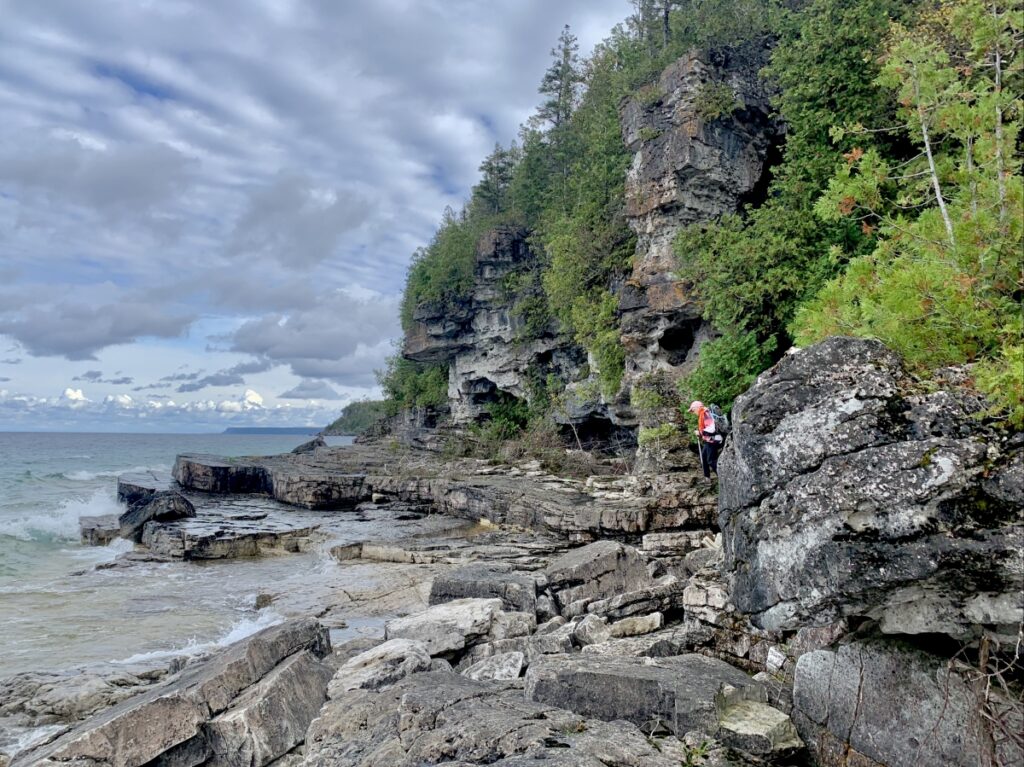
(357, 418)
(895, 211)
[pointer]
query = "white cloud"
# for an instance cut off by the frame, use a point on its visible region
(74, 395)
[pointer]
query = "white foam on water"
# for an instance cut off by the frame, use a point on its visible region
(89, 476)
(238, 631)
(62, 522)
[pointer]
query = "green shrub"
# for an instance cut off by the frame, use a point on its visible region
(726, 368)
(407, 384)
(657, 434)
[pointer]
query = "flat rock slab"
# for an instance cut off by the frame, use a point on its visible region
(136, 486)
(682, 693)
(443, 718)
(343, 477)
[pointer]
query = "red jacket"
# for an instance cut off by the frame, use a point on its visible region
(706, 425)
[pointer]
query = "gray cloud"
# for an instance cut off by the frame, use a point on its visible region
(340, 337)
(217, 379)
(11, 361)
(4, 379)
(96, 376)
(311, 390)
(77, 331)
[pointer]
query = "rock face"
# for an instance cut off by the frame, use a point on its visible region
(482, 339)
(848, 490)
(380, 666)
(164, 506)
(687, 167)
(447, 628)
(246, 706)
(918, 710)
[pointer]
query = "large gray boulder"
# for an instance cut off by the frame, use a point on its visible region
(849, 489)
(253, 684)
(682, 693)
(381, 665)
(895, 705)
(163, 506)
(598, 571)
(516, 590)
(448, 628)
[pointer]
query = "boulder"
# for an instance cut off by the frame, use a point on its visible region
(637, 625)
(442, 718)
(163, 506)
(142, 728)
(517, 591)
(272, 716)
(382, 665)
(310, 447)
(598, 571)
(591, 630)
(447, 628)
(99, 530)
(849, 490)
(497, 667)
(682, 693)
(888, 702)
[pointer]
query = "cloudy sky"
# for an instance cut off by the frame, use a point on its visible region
(207, 206)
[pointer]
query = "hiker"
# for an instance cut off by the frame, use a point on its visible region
(710, 438)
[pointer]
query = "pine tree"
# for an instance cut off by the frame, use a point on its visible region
(562, 81)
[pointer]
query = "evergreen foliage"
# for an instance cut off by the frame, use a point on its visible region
(357, 417)
(407, 384)
(944, 282)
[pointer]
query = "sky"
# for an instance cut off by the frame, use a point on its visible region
(207, 207)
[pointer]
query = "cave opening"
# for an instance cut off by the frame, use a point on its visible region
(598, 433)
(676, 342)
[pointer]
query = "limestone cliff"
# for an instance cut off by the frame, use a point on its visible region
(690, 163)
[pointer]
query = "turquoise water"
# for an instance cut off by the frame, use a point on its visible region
(56, 611)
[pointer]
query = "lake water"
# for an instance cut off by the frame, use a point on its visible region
(57, 611)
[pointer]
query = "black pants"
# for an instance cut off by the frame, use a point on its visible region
(709, 457)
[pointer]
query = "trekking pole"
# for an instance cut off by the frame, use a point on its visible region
(700, 452)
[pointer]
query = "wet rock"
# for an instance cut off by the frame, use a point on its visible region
(142, 728)
(497, 667)
(919, 710)
(133, 487)
(449, 627)
(442, 718)
(163, 506)
(99, 530)
(382, 665)
(849, 491)
(517, 591)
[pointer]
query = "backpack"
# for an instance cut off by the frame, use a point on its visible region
(721, 420)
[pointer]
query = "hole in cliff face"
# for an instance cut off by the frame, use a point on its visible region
(482, 392)
(757, 196)
(676, 343)
(597, 433)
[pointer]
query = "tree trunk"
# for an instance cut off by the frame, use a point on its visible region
(931, 167)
